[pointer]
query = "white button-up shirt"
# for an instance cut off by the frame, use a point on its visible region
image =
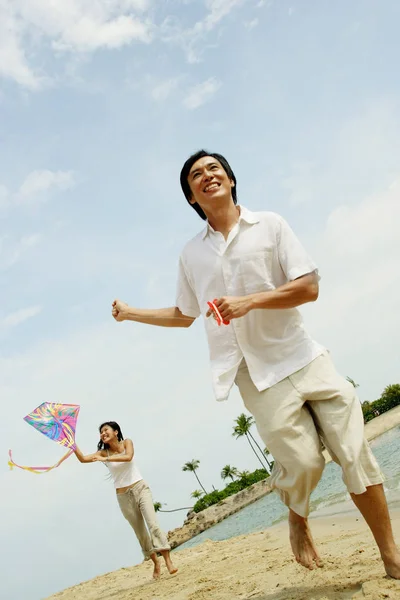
(260, 254)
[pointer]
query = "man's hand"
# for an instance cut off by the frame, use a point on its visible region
(232, 307)
(119, 310)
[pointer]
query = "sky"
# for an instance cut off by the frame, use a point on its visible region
(101, 102)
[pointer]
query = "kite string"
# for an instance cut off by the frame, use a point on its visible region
(37, 470)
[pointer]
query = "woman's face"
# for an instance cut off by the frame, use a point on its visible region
(107, 434)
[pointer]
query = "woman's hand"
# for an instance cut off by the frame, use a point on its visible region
(98, 458)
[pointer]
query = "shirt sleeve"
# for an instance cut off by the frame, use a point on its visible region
(186, 299)
(294, 260)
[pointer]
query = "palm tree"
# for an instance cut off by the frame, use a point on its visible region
(192, 466)
(244, 474)
(266, 454)
(229, 471)
(270, 464)
(196, 494)
(242, 427)
(353, 383)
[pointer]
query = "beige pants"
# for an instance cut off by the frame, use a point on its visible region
(136, 505)
(292, 416)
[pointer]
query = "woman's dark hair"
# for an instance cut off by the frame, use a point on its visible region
(115, 427)
(185, 174)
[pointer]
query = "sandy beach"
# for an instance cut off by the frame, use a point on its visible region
(259, 566)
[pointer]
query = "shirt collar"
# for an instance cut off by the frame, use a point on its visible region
(245, 215)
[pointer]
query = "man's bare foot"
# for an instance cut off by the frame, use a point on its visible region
(172, 570)
(157, 571)
(392, 564)
(302, 542)
(168, 563)
(157, 568)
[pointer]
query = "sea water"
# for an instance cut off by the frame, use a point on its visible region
(329, 497)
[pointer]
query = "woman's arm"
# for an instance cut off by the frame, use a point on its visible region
(89, 457)
(127, 457)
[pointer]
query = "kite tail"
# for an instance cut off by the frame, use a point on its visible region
(38, 470)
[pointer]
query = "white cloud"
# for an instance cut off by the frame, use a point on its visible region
(36, 187)
(13, 61)
(162, 90)
(251, 24)
(37, 183)
(11, 250)
(193, 39)
(79, 26)
(218, 9)
(368, 142)
(74, 26)
(87, 35)
(201, 93)
(19, 316)
(362, 229)
(357, 312)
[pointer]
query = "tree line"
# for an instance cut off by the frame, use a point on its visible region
(389, 399)
(239, 479)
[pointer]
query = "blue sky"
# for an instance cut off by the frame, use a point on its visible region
(100, 104)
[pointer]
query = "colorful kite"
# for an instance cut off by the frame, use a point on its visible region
(56, 421)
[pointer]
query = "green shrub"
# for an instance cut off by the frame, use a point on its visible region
(232, 488)
(390, 399)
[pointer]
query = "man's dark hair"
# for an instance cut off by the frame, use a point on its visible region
(185, 174)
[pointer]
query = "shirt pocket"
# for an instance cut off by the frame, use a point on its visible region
(255, 270)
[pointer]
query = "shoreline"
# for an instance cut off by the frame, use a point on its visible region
(198, 522)
(205, 519)
(385, 422)
(259, 566)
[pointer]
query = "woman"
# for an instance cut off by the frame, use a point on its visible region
(133, 493)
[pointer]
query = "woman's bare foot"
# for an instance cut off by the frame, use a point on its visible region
(168, 562)
(302, 542)
(392, 564)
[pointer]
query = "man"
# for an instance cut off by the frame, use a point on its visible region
(258, 273)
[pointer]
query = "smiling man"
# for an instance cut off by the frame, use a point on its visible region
(257, 271)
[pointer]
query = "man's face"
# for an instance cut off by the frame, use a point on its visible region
(209, 182)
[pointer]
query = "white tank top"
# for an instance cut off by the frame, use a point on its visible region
(124, 473)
